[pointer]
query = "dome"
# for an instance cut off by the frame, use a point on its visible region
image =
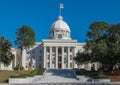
(60, 29)
(60, 25)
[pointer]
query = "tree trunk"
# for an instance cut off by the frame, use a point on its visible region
(20, 58)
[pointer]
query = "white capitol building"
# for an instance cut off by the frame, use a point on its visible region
(56, 52)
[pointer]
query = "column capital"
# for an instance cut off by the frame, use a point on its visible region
(44, 46)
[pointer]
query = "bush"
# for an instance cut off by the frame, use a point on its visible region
(17, 68)
(92, 74)
(40, 71)
(30, 74)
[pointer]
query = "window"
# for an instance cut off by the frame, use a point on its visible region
(70, 57)
(65, 59)
(70, 65)
(40, 58)
(59, 50)
(53, 49)
(26, 66)
(59, 58)
(33, 51)
(53, 57)
(70, 49)
(48, 64)
(48, 50)
(48, 57)
(40, 51)
(40, 66)
(65, 50)
(33, 57)
(53, 33)
(57, 30)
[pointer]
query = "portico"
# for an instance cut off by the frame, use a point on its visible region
(59, 54)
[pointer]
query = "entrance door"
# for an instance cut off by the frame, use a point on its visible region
(59, 65)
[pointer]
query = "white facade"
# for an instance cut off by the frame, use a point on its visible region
(56, 52)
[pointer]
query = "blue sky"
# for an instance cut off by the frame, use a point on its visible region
(40, 14)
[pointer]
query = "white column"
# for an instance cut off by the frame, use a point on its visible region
(73, 57)
(62, 57)
(56, 57)
(15, 60)
(23, 57)
(44, 58)
(50, 57)
(68, 57)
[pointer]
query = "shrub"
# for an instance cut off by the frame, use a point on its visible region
(30, 74)
(17, 68)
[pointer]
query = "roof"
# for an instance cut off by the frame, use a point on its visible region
(60, 25)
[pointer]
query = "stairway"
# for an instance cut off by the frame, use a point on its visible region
(58, 76)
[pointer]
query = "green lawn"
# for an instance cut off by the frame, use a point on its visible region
(4, 75)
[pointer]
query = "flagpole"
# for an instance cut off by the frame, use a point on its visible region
(59, 11)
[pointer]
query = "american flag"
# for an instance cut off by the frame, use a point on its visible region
(61, 5)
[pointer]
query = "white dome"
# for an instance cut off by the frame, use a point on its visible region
(60, 29)
(60, 25)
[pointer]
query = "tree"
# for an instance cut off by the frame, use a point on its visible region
(6, 55)
(97, 30)
(25, 37)
(82, 57)
(114, 44)
(96, 42)
(104, 43)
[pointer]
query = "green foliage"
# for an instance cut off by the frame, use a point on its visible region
(17, 68)
(82, 58)
(104, 43)
(40, 71)
(97, 30)
(25, 36)
(92, 74)
(31, 74)
(6, 55)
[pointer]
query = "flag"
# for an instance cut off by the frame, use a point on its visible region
(61, 5)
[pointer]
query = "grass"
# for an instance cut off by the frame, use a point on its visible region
(92, 74)
(5, 75)
(30, 74)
